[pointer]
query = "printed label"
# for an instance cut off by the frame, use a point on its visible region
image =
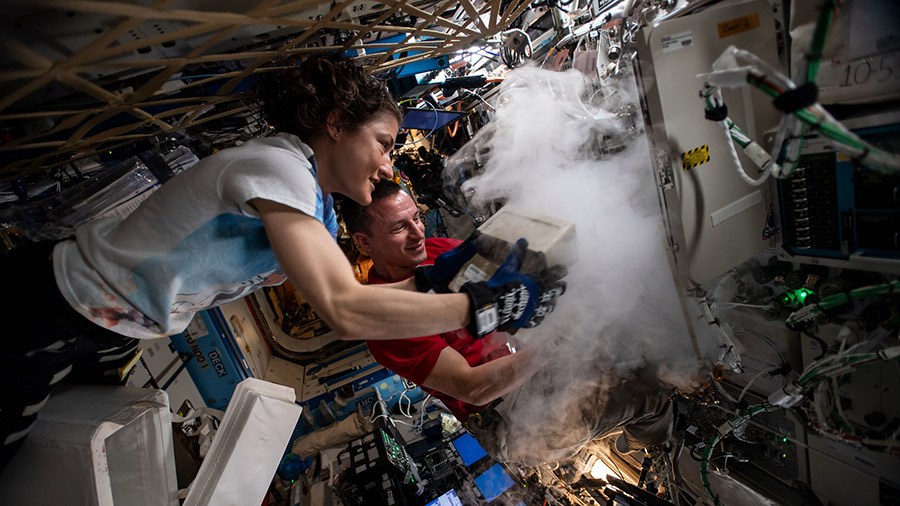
(695, 157)
(216, 361)
(487, 319)
(198, 353)
(739, 25)
(676, 41)
(196, 329)
(475, 273)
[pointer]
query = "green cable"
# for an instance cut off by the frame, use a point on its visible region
(860, 293)
(732, 128)
(804, 381)
(713, 441)
(823, 26)
(893, 322)
(846, 429)
(836, 411)
(827, 129)
(736, 133)
(704, 469)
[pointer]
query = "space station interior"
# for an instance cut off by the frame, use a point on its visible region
(721, 177)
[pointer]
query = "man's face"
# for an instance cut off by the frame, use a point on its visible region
(396, 241)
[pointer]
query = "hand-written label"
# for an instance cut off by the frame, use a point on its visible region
(874, 68)
(860, 79)
(739, 25)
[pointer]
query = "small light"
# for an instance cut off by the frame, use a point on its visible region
(600, 470)
(784, 455)
(784, 440)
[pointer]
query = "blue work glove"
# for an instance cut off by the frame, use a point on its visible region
(512, 299)
(438, 276)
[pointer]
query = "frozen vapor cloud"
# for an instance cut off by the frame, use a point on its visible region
(552, 150)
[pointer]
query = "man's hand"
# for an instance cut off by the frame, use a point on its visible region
(438, 276)
(512, 299)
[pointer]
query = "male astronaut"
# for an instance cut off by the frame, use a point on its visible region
(506, 400)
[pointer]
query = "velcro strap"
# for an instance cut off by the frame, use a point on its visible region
(484, 316)
(423, 283)
(800, 97)
(717, 114)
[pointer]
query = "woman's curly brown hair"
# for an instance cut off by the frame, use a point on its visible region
(299, 99)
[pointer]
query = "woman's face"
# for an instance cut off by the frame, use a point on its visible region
(363, 157)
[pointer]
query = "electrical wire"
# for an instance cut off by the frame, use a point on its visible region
(408, 412)
(766, 339)
(712, 96)
(819, 119)
(738, 304)
(822, 344)
(753, 380)
(452, 131)
(794, 125)
(820, 35)
(721, 432)
(422, 413)
(721, 389)
(808, 313)
(512, 57)
(799, 443)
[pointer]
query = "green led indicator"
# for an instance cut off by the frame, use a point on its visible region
(784, 440)
(784, 455)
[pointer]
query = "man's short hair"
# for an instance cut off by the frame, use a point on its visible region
(356, 217)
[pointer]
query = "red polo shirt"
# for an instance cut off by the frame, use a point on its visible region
(414, 359)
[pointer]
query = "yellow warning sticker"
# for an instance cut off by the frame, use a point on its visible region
(739, 25)
(843, 157)
(695, 157)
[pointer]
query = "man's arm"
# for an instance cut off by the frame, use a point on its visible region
(483, 383)
(323, 276)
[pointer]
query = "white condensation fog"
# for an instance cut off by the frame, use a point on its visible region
(620, 311)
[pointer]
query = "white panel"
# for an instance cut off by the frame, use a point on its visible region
(844, 475)
(721, 218)
(248, 446)
(248, 336)
(286, 373)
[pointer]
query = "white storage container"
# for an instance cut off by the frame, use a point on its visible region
(95, 445)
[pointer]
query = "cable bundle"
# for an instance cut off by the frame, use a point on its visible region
(802, 112)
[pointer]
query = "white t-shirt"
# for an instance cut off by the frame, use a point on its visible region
(194, 244)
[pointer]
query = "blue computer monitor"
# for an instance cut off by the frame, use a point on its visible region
(493, 482)
(468, 449)
(446, 499)
(428, 119)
